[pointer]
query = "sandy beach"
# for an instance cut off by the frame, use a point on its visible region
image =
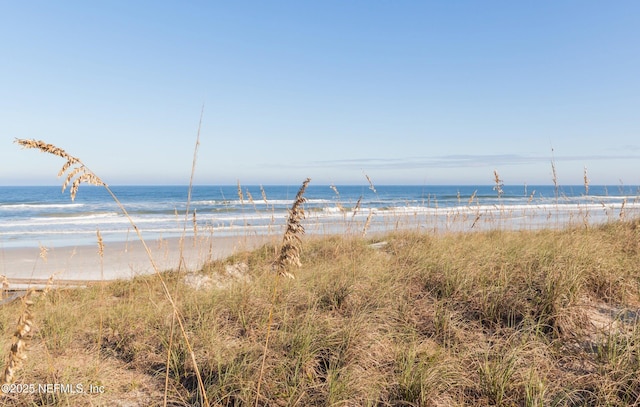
(25, 267)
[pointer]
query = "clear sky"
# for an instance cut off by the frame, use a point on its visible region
(408, 92)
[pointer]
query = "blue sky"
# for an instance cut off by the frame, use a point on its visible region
(407, 92)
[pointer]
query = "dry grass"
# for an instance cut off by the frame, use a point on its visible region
(477, 319)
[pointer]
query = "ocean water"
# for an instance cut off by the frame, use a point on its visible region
(33, 216)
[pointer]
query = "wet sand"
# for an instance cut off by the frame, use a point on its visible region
(25, 267)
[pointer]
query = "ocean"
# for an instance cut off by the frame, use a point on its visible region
(43, 216)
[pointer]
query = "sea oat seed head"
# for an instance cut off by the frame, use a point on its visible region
(290, 249)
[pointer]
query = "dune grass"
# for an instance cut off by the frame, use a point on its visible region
(523, 318)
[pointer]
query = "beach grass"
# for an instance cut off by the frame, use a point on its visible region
(524, 318)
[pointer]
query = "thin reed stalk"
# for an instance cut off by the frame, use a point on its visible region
(357, 207)
(186, 212)
(289, 255)
(101, 255)
(168, 362)
(554, 175)
(585, 218)
(181, 261)
(367, 223)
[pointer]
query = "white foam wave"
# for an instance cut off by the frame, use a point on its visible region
(39, 206)
(610, 197)
(507, 211)
(258, 201)
(67, 220)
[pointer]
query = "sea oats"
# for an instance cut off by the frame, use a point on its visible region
(21, 337)
(291, 242)
(70, 176)
(475, 221)
(499, 183)
(86, 177)
(240, 195)
(4, 282)
(338, 203)
(264, 195)
(473, 196)
(82, 173)
(357, 207)
(100, 244)
(371, 187)
(250, 198)
(586, 182)
(367, 223)
(46, 148)
(43, 253)
(65, 167)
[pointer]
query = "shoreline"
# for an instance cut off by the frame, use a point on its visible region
(37, 215)
(81, 264)
(121, 260)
